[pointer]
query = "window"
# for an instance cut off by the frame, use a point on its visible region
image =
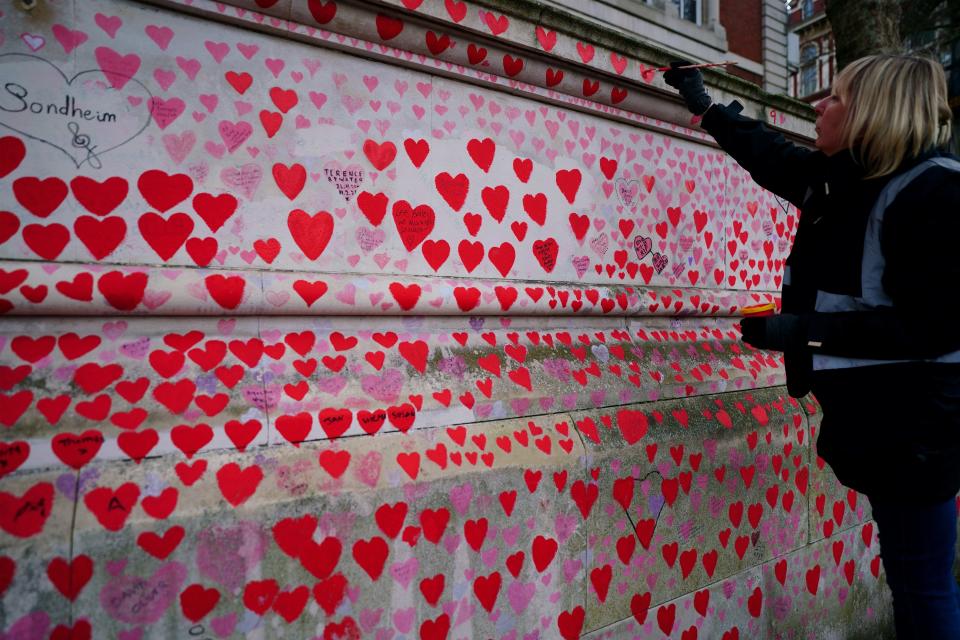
(807, 9)
(808, 69)
(688, 10)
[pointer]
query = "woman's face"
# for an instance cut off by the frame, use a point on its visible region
(830, 114)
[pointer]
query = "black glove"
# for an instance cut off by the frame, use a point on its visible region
(689, 82)
(784, 332)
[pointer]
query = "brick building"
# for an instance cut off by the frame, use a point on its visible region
(750, 32)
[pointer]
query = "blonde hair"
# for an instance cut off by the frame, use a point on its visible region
(896, 109)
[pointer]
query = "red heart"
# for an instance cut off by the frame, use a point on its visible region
(639, 606)
(81, 630)
(434, 522)
(322, 12)
(371, 555)
(25, 516)
(471, 254)
(292, 534)
(226, 291)
(436, 253)
(9, 224)
(295, 429)
(310, 291)
(285, 99)
(453, 189)
(456, 10)
(321, 559)
(415, 353)
(165, 236)
(290, 604)
(163, 191)
(138, 444)
(162, 505)
(417, 150)
(190, 439)
(242, 434)
(335, 422)
(330, 593)
(502, 257)
(53, 408)
(487, 588)
(267, 249)
(495, 199)
(371, 422)
(239, 81)
(584, 495)
(390, 518)
(545, 251)
(482, 152)
(123, 292)
(238, 484)
(467, 298)
(290, 180)
(380, 155)
(100, 237)
(196, 602)
(161, 546)
(345, 630)
(99, 198)
(535, 206)
(568, 180)
(632, 425)
(388, 27)
(432, 589)
(12, 152)
(402, 417)
(190, 473)
(543, 551)
(12, 455)
(214, 210)
(13, 406)
(600, 579)
(40, 197)
(311, 233)
(258, 595)
(373, 206)
(47, 241)
(112, 507)
(202, 250)
(522, 167)
(175, 396)
(7, 570)
(334, 462)
(570, 623)
(475, 54)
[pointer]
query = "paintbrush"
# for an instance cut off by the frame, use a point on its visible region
(698, 66)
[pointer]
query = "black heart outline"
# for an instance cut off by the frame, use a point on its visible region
(69, 82)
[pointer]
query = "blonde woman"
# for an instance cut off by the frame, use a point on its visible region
(870, 318)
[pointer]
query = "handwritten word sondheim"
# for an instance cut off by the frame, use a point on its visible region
(69, 108)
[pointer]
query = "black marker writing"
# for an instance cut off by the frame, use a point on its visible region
(68, 109)
(82, 141)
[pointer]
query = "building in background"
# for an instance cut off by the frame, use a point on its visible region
(750, 32)
(810, 52)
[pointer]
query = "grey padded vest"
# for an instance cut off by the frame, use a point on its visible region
(872, 293)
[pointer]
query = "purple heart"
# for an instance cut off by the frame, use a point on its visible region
(137, 600)
(227, 554)
(32, 626)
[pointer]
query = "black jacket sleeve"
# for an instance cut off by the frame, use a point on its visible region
(774, 163)
(921, 276)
